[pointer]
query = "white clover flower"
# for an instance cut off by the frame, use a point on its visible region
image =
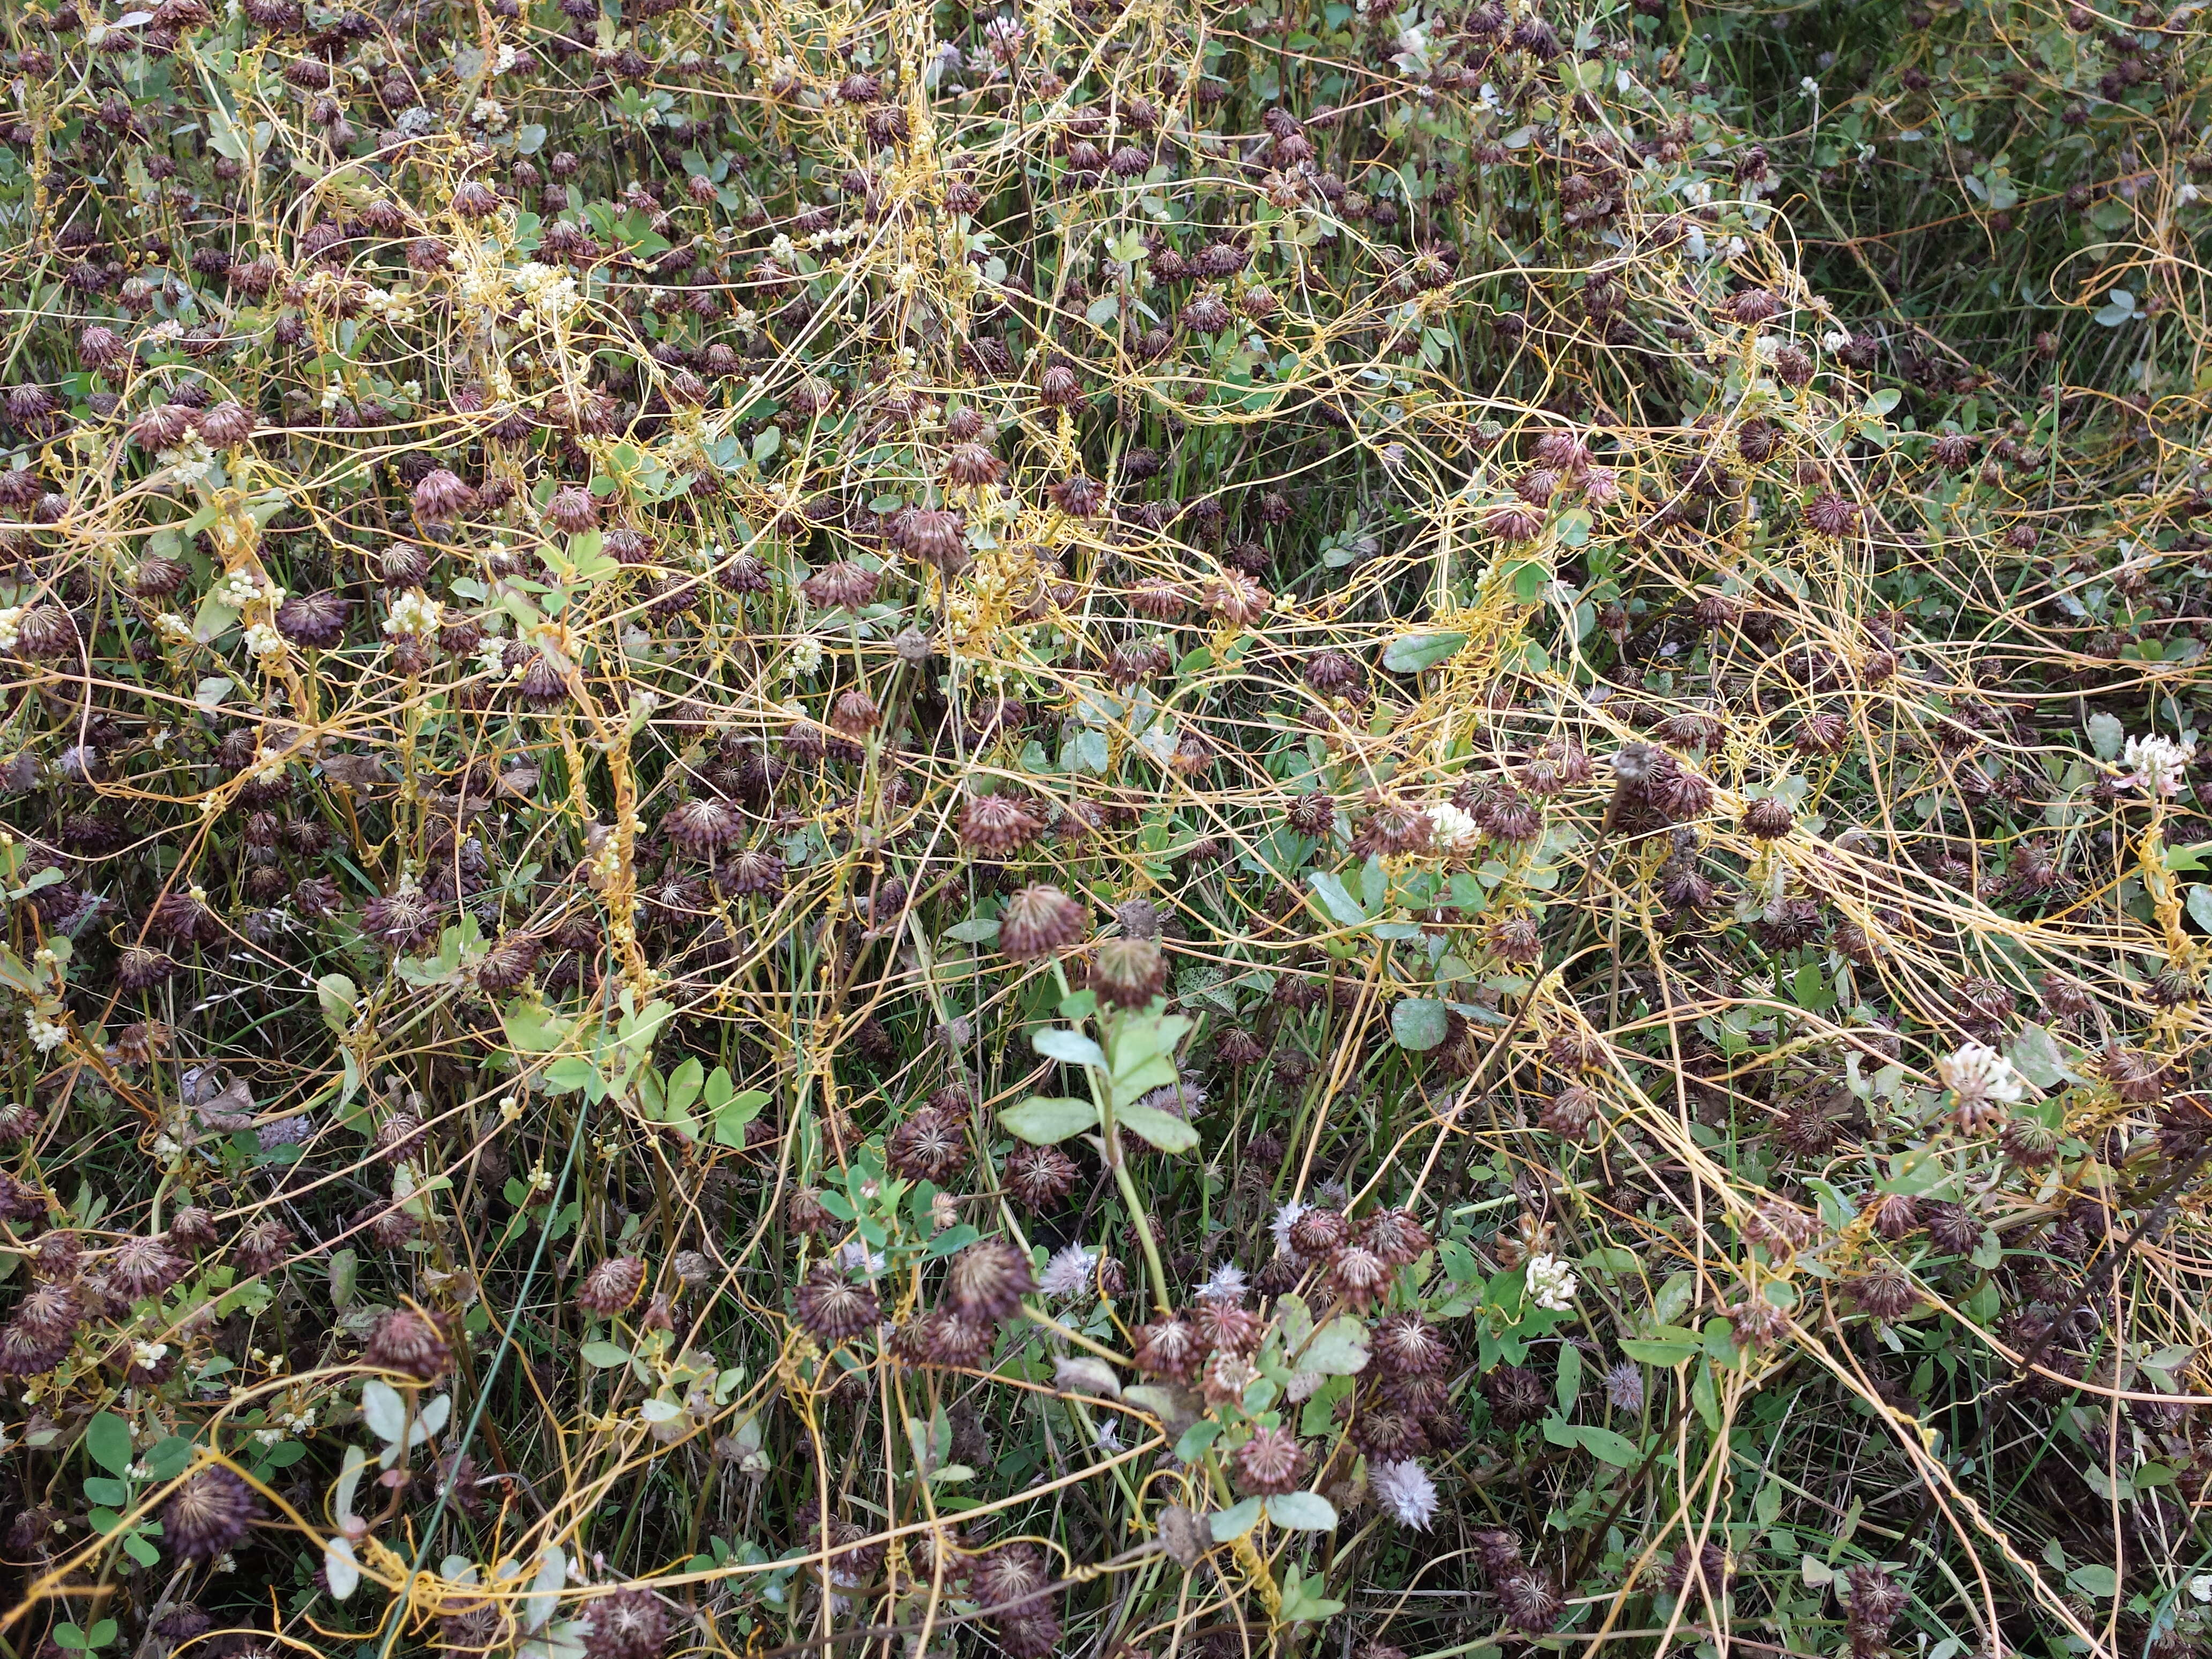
(1552, 1283)
(415, 612)
(1978, 1073)
(2154, 764)
(1453, 827)
(1285, 1219)
(1068, 1272)
(1402, 1489)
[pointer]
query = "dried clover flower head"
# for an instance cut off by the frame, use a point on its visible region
(1768, 818)
(1271, 1462)
(1884, 1292)
(1128, 973)
(2137, 1077)
(1528, 1602)
(405, 1341)
(52, 1310)
(1039, 920)
(1572, 1113)
(1893, 1215)
(208, 1515)
(1037, 1177)
(997, 826)
(928, 1146)
(833, 1306)
(1168, 1347)
(1407, 1343)
(630, 1624)
(1758, 1322)
(988, 1281)
(612, 1286)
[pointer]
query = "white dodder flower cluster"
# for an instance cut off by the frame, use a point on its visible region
(415, 612)
(240, 588)
(550, 292)
(191, 460)
(491, 658)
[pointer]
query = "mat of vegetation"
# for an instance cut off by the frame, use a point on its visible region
(1104, 829)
